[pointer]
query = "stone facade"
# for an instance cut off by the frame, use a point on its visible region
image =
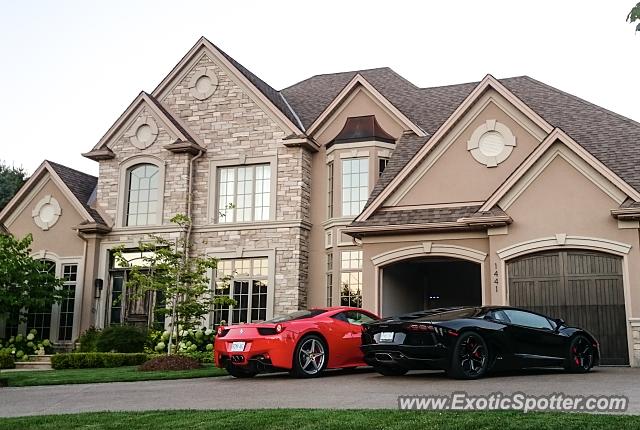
(635, 330)
(231, 126)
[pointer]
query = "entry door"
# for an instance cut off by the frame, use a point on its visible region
(584, 288)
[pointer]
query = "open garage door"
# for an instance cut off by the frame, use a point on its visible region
(582, 287)
(429, 283)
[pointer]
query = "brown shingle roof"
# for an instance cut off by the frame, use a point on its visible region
(81, 185)
(418, 216)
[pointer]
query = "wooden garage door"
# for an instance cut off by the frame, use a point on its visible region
(583, 288)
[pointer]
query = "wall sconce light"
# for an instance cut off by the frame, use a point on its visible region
(98, 288)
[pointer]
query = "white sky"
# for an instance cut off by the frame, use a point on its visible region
(70, 68)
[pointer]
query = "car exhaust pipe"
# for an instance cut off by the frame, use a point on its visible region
(383, 356)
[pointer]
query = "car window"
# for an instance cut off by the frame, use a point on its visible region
(527, 319)
(299, 315)
(500, 315)
(358, 318)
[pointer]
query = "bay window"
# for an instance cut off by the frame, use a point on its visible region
(351, 278)
(355, 185)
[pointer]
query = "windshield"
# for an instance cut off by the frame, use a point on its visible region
(299, 315)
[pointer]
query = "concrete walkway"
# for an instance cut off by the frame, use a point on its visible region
(355, 389)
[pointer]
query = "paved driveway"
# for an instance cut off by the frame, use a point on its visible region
(338, 390)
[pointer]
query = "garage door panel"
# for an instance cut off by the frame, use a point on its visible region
(582, 287)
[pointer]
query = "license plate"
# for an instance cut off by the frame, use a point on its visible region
(386, 336)
(237, 346)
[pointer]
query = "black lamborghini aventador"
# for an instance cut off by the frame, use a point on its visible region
(468, 342)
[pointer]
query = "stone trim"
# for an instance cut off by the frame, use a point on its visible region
(474, 144)
(208, 73)
(36, 214)
(429, 249)
(563, 240)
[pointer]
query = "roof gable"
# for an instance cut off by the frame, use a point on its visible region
(77, 187)
(386, 188)
(261, 92)
(143, 100)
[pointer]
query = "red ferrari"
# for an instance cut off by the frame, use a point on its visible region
(304, 343)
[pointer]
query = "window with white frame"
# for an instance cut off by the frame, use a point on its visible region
(330, 190)
(355, 185)
(351, 278)
(246, 281)
(142, 195)
(70, 276)
(40, 319)
(329, 279)
(244, 193)
(382, 164)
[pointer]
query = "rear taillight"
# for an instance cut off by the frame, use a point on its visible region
(428, 328)
(222, 332)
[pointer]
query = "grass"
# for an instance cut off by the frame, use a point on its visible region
(301, 419)
(111, 374)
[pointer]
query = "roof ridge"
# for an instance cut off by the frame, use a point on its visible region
(581, 100)
(343, 73)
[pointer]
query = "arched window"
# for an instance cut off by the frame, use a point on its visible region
(142, 195)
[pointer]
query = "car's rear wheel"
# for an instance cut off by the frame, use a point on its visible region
(310, 357)
(241, 372)
(390, 370)
(581, 355)
(470, 358)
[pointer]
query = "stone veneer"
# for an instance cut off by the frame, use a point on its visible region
(635, 330)
(230, 125)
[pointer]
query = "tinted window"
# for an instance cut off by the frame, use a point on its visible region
(528, 319)
(355, 317)
(499, 315)
(299, 315)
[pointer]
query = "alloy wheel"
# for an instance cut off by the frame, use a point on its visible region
(472, 356)
(582, 353)
(311, 356)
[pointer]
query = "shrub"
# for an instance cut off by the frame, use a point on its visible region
(6, 360)
(89, 339)
(170, 362)
(191, 341)
(88, 360)
(202, 357)
(20, 346)
(121, 338)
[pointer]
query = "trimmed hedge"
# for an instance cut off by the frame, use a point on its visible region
(6, 360)
(121, 338)
(88, 360)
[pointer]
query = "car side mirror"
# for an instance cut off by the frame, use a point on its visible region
(559, 323)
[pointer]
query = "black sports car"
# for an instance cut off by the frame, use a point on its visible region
(467, 342)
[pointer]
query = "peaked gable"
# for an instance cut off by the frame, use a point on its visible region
(489, 82)
(125, 124)
(263, 94)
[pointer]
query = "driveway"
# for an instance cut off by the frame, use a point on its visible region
(340, 390)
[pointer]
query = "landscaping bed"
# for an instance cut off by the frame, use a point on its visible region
(114, 374)
(323, 419)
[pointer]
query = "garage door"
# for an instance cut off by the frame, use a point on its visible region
(583, 288)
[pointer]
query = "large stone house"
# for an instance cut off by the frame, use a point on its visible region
(353, 188)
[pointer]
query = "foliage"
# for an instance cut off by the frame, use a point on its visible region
(90, 360)
(89, 339)
(324, 419)
(121, 338)
(634, 15)
(202, 357)
(11, 179)
(25, 283)
(170, 362)
(21, 346)
(31, 378)
(192, 341)
(6, 360)
(181, 279)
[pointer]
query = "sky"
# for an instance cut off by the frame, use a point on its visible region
(70, 68)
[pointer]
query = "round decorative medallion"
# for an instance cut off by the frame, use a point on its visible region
(491, 143)
(46, 213)
(143, 132)
(203, 84)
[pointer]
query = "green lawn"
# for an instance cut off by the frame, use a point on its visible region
(113, 374)
(321, 419)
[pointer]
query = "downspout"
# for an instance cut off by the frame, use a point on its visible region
(190, 199)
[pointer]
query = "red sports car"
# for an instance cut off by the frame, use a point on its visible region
(304, 343)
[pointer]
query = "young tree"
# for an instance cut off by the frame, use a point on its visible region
(168, 267)
(26, 284)
(11, 179)
(634, 16)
